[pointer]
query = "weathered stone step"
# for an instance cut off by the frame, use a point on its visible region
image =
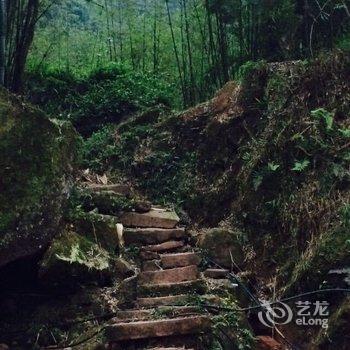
(216, 273)
(172, 300)
(196, 286)
(164, 247)
(147, 255)
(183, 348)
(268, 343)
(132, 315)
(158, 328)
(151, 265)
(155, 218)
(112, 188)
(179, 274)
(146, 314)
(152, 235)
(179, 260)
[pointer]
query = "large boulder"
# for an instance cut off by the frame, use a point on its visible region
(37, 156)
(222, 245)
(73, 259)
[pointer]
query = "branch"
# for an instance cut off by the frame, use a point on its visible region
(314, 22)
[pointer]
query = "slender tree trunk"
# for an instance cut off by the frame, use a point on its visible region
(212, 49)
(121, 46)
(132, 52)
(109, 36)
(113, 35)
(155, 45)
(2, 41)
(183, 55)
(175, 50)
(25, 17)
(190, 59)
(144, 47)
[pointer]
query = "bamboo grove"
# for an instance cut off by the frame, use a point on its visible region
(197, 45)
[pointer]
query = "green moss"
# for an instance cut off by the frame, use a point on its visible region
(329, 251)
(85, 200)
(37, 155)
(72, 256)
(277, 92)
(249, 69)
(73, 248)
(98, 228)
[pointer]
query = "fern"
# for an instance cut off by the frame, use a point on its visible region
(301, 166)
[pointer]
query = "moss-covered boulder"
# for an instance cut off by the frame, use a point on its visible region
(73, 259)
(221, 245)
(37, 156)
(100, 228)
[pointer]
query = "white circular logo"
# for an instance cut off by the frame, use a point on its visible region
(277, 314)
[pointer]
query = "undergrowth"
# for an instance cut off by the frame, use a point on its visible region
(104, 95)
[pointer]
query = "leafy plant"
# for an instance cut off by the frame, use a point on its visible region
(326, 116)
(301, 166)
(257, 181)
(345, 132)
(272, 166)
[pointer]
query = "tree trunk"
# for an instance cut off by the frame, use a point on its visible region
(175, 51)
(21, 21)
(2, 41)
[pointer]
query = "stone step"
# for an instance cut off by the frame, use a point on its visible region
(112, 188)
(152, 235)
(151, 265)
(164, 247)
(216, 273)
(179, 274)
(183, 348)
(155, 218)
(268, 343)
(132, 315)
(172, 300)
(147, 255)
(147, 314)
(158, 328)
(179, 260)
(196, 286)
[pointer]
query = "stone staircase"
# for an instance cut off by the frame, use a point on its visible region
(162, 313)
(169, 278)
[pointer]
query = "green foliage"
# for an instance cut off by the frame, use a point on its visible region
(104, 95)
(345, 132)
(273, 167)
(344, 42)
(301, 166)
(83, 201)
(257, 181)
(99, 149)
(211, 38)
(327, 117)
(247, 69)
(231, 320)
(75, 249)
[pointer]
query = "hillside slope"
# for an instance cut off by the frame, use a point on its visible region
(268, 156)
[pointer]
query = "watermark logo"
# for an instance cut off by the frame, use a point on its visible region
(276, 314)
(307, 314)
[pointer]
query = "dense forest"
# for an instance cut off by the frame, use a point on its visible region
(195, 46)
(174, 174)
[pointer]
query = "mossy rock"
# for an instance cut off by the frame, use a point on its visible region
(100, 228)
(222, 245)
(109, 202)
(74, 259)
(37, 158)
